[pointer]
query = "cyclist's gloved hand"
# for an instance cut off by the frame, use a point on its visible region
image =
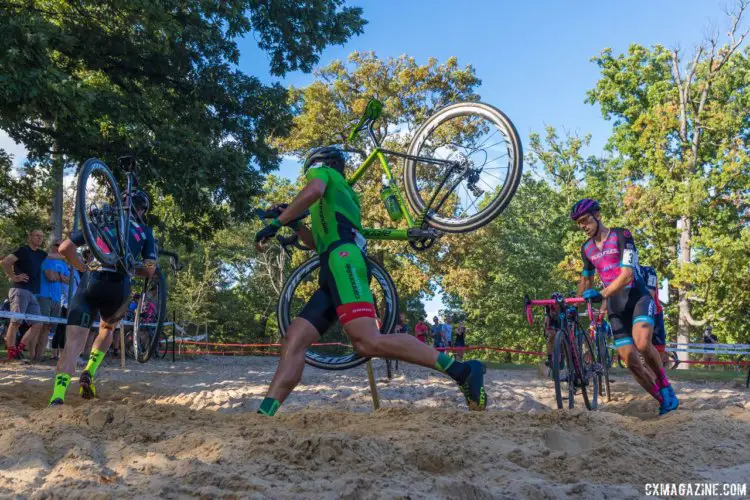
(294, 224)
(592, 295)
(267, 232)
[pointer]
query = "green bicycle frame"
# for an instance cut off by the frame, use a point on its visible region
(377, 155)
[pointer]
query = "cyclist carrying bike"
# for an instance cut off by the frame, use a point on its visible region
(659, 339)
(344, 287)
(630, 307)
(103, 290)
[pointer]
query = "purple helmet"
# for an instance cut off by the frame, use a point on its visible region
(585, 206)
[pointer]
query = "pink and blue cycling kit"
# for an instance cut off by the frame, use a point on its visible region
(632, 303)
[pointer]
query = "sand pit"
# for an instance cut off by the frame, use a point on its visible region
(190, 430)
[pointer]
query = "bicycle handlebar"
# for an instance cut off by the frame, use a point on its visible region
(551, 302)
(288, 241)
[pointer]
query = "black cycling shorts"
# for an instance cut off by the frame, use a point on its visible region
(626, 308)
(100, 293)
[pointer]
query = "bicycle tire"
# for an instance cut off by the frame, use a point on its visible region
(561, 363)
(604, 386)
(586, 371)
(342, 362)
(89, 230)
(161, 309)
(513, 177)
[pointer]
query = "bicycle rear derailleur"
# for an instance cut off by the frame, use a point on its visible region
(422, 239)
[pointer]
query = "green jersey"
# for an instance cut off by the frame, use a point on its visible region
(336, 216)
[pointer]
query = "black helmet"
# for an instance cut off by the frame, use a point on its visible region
(140, 200)
(331, 156)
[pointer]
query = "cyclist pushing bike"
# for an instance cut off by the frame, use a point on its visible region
(104, 289)
(344, 287)
(630, 307)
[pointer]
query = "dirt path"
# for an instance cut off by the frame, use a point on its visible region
(190, 430)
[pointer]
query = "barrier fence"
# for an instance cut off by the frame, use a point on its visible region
(271, 349)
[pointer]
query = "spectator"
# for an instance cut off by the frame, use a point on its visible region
(24, 268)
(68, 289)
(403, 324)
(709, 338)
(55, 273)
(437, 333)
(460, 340)
(421, 330)
(447, 331)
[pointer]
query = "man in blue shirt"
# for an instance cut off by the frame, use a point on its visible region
(448, 332)
(55, 274)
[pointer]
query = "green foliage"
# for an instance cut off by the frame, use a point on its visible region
(159, 79)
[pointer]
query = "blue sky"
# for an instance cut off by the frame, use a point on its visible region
(533, 57)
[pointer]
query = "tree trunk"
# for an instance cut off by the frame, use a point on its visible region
(683, 323)
(56, 216)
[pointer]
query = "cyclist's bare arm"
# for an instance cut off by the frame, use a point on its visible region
(68, 251)
(311, 193)
(585, 283)
(625, 277)
(146, 270)
(306, 236)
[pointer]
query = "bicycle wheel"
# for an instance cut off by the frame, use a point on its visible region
(99, 210)
(335, 351)
(162, 346)
(586, 371)
(604, 360)
(562, 373)
(486, 147)
(154, 292)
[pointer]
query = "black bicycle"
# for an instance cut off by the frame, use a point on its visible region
(575, 361)
(106, 227)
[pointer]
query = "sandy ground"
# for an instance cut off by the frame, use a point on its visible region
(189, 429)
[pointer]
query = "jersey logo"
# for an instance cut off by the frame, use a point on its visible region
(627, 233)
(343, 254)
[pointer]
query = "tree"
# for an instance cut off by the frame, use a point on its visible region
(159, 79)
(681, 129)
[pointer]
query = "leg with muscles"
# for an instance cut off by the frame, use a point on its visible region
(622, 329)
(30, 339)
(345, 275)
(642, 333)
(300, 335)
(98, 350)
(75, 339)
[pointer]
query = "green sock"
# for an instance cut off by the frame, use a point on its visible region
(95, 360)
(456, 370)
(62, 381)
(269, 406)
(444, 362)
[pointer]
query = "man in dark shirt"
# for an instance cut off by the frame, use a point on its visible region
(24, 268)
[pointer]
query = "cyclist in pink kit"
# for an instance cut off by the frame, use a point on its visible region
(631, 310)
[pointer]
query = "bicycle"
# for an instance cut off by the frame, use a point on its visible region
(151, 338)
(106, 226)
(451, 149)
(599, 332)
(574, 359)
